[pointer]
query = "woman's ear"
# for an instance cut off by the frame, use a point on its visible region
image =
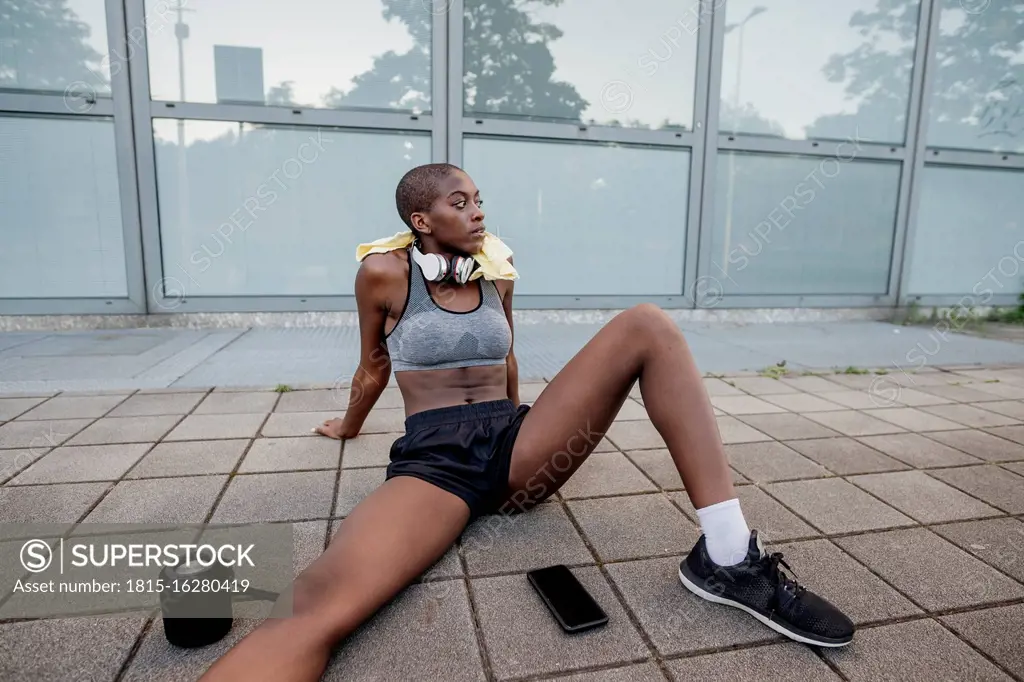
(419, 224)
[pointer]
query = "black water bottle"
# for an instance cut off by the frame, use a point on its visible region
(195, 613)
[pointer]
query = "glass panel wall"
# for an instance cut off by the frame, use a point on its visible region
(827, 70)
(367, 54)
(49, 47)
(60, 209)
(601, 62)
(789, 225)
(585, 219)
(970, 233)
(259, 210)
(977, 97)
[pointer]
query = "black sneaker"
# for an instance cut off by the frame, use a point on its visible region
(758, 586)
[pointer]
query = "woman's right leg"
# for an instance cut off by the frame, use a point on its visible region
(393, 536)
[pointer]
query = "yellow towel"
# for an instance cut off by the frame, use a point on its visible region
(492, 259)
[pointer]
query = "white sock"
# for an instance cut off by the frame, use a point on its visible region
(725, 532)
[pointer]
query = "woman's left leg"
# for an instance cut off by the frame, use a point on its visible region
(728, 564)
(572, 414)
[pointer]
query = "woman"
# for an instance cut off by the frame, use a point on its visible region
(471, 448)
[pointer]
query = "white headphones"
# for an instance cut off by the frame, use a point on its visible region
(437, 268)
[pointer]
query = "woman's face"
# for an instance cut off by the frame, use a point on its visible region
(456, 219)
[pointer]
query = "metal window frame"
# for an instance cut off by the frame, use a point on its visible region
(159, 284)
(117, 108)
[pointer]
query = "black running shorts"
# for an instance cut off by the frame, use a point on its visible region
(464, 449)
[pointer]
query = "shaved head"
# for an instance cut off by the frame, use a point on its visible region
(418, 189)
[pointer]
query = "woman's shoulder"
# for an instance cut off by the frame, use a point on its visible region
(382, 268)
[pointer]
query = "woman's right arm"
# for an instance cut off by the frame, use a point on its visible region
(373, 283)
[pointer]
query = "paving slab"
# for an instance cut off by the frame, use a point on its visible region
(74, 407)
(995, 485)
(913, 397)
(634, 435)
(13, 462)
(930, 570)
(425, 633)
(834, 575)
(11, 408)
(213, 426)
(845, 456)
(773, 663)
(919, 451)
(960, 394)
(1001, 390)
(39, 434)
(996, 632)
(355, 485)
(802, 402)
(922, 497)
(642, 672)
(157, 660)
(147, 404)
(853, 423)
(762, 385)
(980, 444)
(55, 650)
(76, 463)
(308, 542)
(920, 649)
(659, 466)
(28, 511)
(1017, 467)
(1007, 408)
(316, 400)
(810, 384)
(284, 454)
(718, 387)
(237, 403)
(142, 429)
(1014, 433)
(281, 424)
(606, 473)
(774, 522)
(189, 458)
(732, 430)
(676, 620)
(514, 621)
(255, 498)
(969, 415)
(631, 410)
(541, 537)
(746, 404)
(836, 506)
(913, 419)
(787, 426)
(634, 526)
(369, 450)
(855, 400)
(159, 500)
(771, 461)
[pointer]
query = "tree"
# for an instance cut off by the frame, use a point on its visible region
(508, 66)
(43, 47)
(977, 98)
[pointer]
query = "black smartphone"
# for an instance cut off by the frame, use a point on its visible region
(567, 599)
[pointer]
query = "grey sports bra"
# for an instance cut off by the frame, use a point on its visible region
(428, 336)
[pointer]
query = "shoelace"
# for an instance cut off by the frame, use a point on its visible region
(778, 576)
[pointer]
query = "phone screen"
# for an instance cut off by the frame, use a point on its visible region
(567, 597)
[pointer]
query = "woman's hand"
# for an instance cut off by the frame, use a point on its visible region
(336, 429)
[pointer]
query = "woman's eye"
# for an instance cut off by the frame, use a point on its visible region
(460, 205)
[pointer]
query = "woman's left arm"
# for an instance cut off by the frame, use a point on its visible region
(511, 366)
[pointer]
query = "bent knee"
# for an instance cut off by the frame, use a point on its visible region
(649, 316)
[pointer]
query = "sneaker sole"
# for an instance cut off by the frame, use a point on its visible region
(774, 625)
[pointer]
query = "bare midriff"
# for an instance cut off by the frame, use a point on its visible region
(432, 389)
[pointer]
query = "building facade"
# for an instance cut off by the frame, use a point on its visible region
(184, 156)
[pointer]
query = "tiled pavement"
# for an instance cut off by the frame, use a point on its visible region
(899, 497)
